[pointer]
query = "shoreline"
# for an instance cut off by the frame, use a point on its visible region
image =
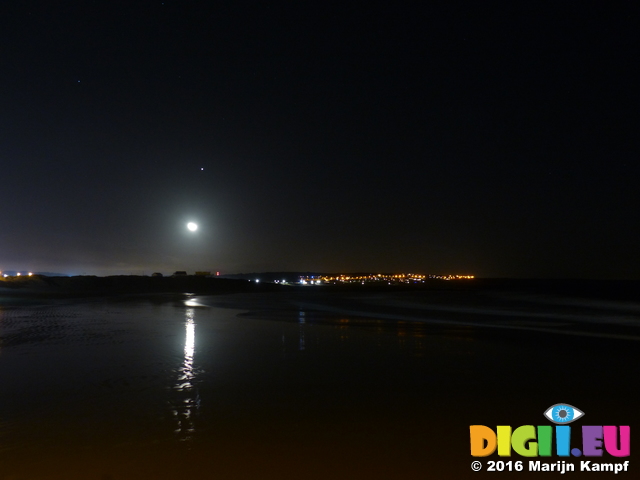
(40, 286)
(117, 285)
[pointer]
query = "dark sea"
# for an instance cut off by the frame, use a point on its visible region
(307, 384)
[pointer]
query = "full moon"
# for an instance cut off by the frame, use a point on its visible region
(192, 226)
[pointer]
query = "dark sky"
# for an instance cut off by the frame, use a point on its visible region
(496, 139)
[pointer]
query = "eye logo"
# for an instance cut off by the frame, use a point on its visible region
(563, 413)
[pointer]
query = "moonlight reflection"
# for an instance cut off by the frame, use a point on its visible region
(188, 402)
(189, 349)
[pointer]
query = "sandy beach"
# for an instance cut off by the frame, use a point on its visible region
(299, 383)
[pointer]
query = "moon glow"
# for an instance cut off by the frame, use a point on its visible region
(192, 226)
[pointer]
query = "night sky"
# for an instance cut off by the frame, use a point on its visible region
(495, 139)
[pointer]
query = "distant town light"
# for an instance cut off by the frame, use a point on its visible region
(18, 273)
(30, 274)
(389, 278)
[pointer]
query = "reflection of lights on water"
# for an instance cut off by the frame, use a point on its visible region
(301, 321)
(183, 409)
(189, 350)
(190, 342)
(191, 301)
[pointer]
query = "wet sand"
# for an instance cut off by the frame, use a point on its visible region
(306, 384)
